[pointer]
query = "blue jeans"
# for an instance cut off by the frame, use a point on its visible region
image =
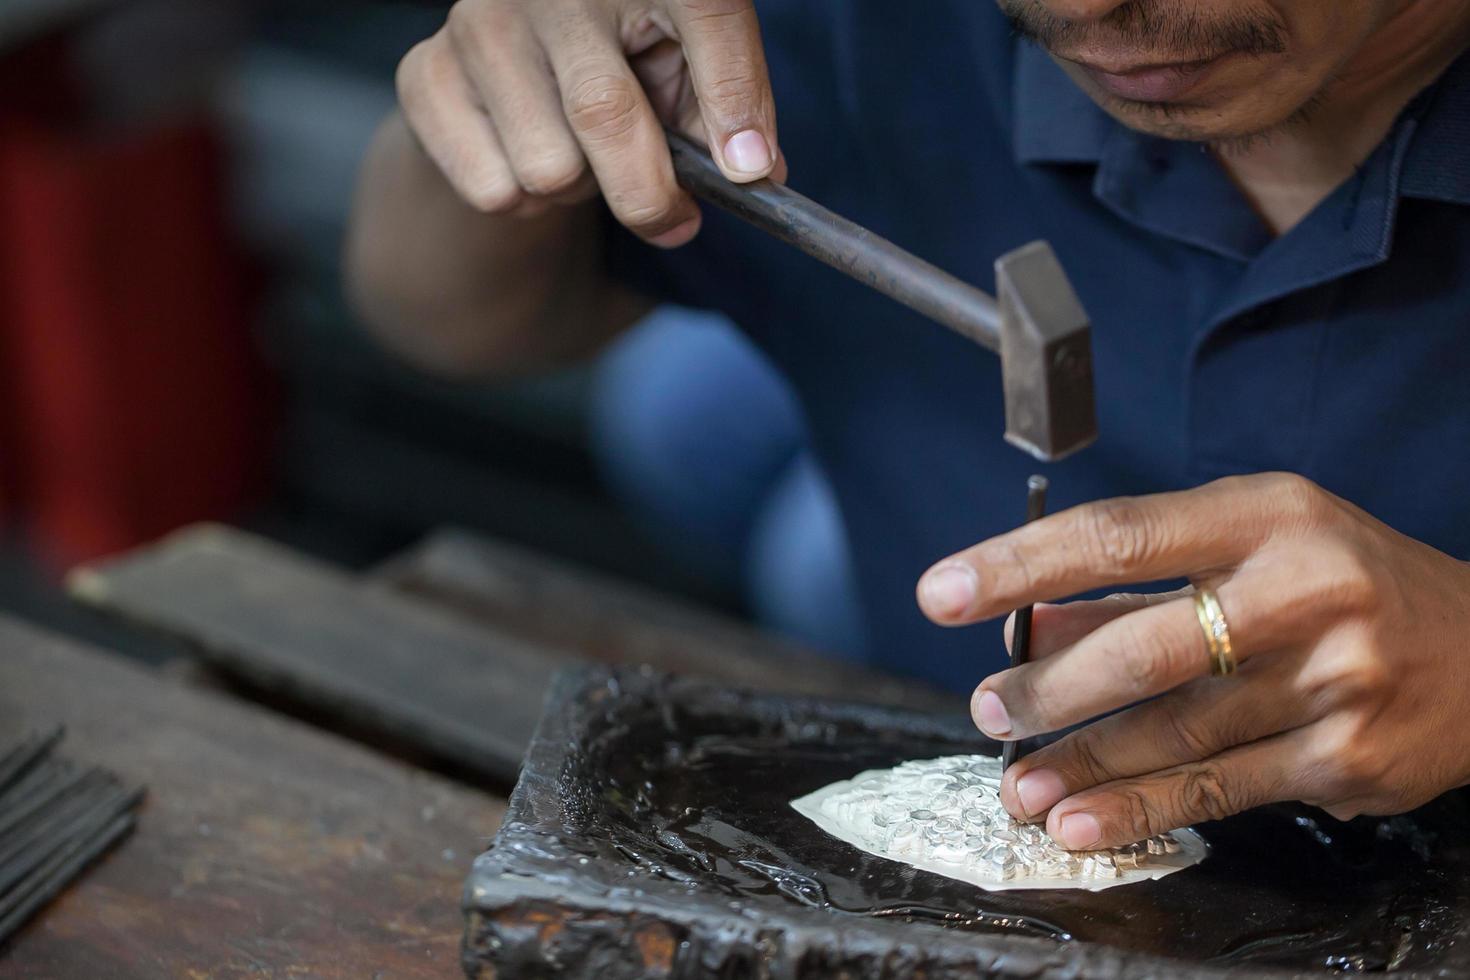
(700, 437)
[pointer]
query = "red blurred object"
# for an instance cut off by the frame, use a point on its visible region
(132, 397)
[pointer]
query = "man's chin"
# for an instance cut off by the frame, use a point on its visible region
(1194, 124)
(1221, 124)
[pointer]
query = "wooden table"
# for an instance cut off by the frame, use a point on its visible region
(446, 652)
(273, 847)
(265, 848)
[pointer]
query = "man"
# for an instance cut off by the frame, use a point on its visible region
(1262, 204)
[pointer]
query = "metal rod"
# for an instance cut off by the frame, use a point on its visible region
(50, 880)
(62, 779)
(24, 755)
(102, 811)
(1036, 488)
(845, 246)
(54, 820)
(22, 842)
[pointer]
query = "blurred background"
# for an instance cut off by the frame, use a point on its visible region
(175, 180)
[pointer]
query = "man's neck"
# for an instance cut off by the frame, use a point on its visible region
(1286, 174)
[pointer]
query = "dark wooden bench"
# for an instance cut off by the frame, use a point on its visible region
(264, 847)
(268, 846)
(446, 651)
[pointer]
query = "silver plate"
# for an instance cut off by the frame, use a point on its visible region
(945, 816)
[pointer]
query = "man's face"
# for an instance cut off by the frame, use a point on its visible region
(1207, 70)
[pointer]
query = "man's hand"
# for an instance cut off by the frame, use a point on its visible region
(1353, 642)
(527, 103)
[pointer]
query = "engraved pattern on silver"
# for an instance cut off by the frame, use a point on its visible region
(945, 815)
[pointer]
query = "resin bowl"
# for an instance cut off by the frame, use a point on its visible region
(651, 835)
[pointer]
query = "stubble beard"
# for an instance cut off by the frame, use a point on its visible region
(1157, 29)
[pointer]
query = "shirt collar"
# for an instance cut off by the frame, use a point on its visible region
(1166, 186)
(1438, 163)
(1056, 122)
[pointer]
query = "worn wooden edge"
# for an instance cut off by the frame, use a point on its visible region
(144, 589)
(543, 930)
(452, 689)
(95, 583)
(613, 620)
(530, 907)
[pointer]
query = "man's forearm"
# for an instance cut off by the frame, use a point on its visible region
(462, 292)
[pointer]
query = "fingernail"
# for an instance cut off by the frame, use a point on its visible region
(746, 152)
(991, 714)
(1080, 832)
(1039, 791)
(676, 236)
(949, 591)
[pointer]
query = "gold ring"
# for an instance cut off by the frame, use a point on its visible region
(1217, 633)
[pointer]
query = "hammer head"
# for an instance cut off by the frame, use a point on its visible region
(1046, 355)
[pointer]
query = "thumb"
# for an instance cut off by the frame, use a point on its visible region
(727, 66)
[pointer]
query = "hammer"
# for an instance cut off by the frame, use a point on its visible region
(1038, 327)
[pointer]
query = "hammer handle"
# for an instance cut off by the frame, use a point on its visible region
(845, 246)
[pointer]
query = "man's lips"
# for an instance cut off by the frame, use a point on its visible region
(1160, 82)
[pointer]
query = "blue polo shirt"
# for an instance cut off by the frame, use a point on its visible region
(1340, 350)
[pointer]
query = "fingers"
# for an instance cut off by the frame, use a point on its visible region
(1128, 810)
(1132, 657)
(501, 58)
(439, 104)
(524, 103)
(1275, 602)
(664, 75)
(1135, 539)
(618, 131)
(1199, 720)
(1056, 627)
(727, 62)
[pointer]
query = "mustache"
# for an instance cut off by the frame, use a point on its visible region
(1154, 27)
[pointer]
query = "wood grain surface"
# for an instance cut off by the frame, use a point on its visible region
(447, 652)
(551, 603)
(401, 671)
(265, 848)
